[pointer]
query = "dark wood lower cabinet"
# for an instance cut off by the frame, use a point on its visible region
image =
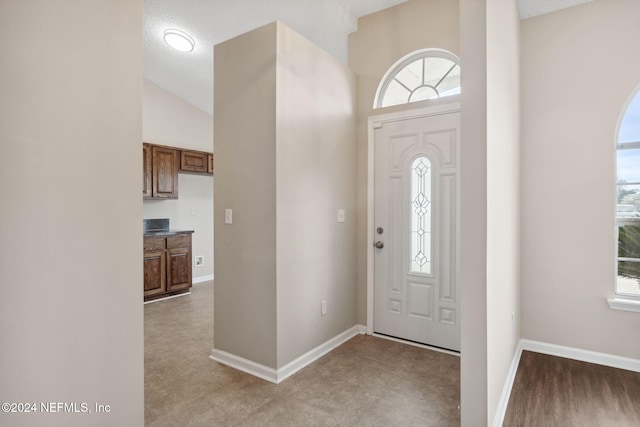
(179, 263)
(167, 266)
(155, 277)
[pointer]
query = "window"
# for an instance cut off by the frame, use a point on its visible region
(628, 201)
(425, 74)
(421, 215)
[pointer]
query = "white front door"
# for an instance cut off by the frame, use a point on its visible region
(416, 293)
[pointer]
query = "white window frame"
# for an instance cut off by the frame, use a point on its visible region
(401, 64)
(623, 301)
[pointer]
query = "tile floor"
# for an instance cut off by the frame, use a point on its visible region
(367, 381)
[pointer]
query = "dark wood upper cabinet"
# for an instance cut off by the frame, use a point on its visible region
(198, 162)
(161, 164)
(193, 161)
(164, 172)
(146, 167)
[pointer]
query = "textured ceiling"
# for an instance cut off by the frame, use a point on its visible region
(325, 22)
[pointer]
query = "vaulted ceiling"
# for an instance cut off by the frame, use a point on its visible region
(327, 23)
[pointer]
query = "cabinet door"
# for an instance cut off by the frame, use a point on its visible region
(193, 161)
(178, 269)
(155, 277)
(210, 166)
(165, 173)
(146, 168)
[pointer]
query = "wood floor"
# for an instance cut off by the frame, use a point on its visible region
(551, 391)
(367, 381)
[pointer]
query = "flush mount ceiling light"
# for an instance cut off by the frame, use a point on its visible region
(179, 40)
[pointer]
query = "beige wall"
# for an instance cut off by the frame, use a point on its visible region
(245, 251)
(168, 120)
(316, 176)
(473, 213)
(490, 211)
(503, 188)
(381, 40)
(71, 247)
(285, 146)
(578, 71)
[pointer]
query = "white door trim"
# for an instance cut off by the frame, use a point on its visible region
(375, 122)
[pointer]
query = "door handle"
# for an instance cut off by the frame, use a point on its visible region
(379, 244)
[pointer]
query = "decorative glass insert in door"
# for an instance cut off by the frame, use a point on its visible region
(420, 213)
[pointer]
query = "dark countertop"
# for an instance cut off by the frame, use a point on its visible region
(164, 233)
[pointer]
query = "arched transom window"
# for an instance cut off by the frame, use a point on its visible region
(628, 201)
(425, 74)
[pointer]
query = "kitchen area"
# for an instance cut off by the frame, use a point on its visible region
(177, 195)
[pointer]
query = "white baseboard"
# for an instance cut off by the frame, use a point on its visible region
(166, 298)
(559, 351)
(277, 376)
(245, 365)
(201, 279)
(498, 417)
(306, 359)
(582, 355)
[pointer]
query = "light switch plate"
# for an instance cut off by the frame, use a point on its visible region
(341, 215)
(228, 216)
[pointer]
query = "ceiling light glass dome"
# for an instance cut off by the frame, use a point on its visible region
(179, 40)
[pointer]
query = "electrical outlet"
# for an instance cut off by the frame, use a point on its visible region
(323, 307)
(199, 261)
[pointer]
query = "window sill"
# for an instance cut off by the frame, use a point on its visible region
(627, 304)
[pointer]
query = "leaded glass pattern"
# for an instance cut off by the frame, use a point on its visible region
(420, 212)
(427, 74)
